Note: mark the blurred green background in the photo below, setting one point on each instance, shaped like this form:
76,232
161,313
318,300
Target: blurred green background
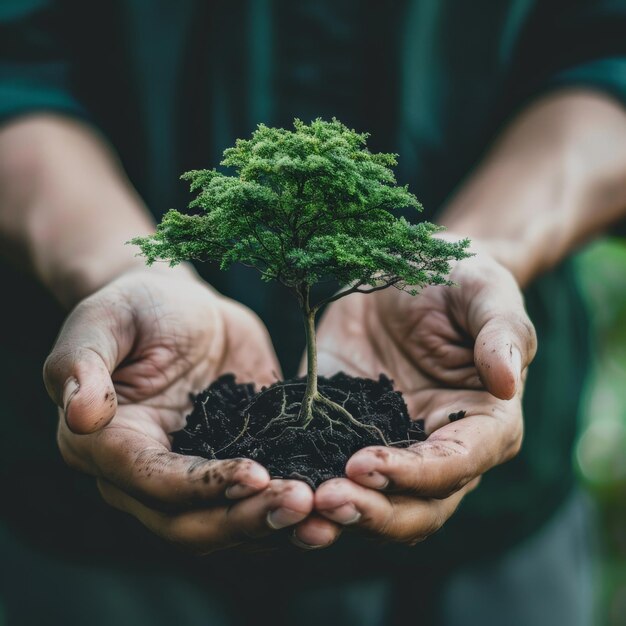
600,455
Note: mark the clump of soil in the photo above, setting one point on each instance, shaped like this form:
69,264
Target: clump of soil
230,420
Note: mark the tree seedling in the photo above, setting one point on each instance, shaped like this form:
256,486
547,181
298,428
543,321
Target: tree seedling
305,206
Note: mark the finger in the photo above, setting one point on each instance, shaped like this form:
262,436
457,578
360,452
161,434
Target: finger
315,532
447,461
400,518
505,339
502,353
77,374
80,383
282,504
160,478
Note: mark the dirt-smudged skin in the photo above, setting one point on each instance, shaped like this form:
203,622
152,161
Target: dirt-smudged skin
229,421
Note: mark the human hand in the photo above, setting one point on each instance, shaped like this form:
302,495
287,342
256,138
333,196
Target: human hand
121,372
462,348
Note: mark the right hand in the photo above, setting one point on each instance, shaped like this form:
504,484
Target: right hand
121,372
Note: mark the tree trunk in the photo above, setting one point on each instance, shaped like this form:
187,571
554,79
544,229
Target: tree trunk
306,409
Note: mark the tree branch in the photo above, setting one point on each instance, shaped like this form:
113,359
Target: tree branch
355,289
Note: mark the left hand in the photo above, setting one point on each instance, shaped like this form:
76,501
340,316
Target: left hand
461,348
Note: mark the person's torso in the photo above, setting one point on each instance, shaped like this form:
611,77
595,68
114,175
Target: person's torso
173,84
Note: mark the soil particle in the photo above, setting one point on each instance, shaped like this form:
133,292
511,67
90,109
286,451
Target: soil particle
453,417
230,420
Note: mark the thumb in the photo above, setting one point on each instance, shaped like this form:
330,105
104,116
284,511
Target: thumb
77,373
501,354
504,337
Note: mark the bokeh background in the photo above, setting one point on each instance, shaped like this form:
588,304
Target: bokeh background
600,454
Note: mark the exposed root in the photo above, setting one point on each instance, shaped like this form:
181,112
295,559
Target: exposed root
291,419
305,417
242,432
319,405
402,442
345,413
284,416
282,433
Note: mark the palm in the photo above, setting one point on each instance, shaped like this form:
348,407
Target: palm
450,349
422,343
123,368
177,341
171,339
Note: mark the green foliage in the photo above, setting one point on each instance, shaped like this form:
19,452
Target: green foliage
306,205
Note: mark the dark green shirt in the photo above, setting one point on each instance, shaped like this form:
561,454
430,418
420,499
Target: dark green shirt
171,84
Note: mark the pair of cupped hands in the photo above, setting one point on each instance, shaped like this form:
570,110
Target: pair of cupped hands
128,356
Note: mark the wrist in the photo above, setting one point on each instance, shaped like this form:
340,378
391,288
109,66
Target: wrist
484,251
522,209
553,180
78,279
72,261
83,279
67,207
523,215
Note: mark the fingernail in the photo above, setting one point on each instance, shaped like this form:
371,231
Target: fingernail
374,480
304,546
282,517
345,514
70,389
240,490
516,362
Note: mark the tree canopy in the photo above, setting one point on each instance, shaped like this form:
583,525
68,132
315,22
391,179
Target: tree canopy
303,206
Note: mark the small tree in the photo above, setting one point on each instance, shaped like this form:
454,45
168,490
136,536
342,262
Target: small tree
306,205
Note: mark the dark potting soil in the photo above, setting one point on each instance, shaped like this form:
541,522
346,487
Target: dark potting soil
230,420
